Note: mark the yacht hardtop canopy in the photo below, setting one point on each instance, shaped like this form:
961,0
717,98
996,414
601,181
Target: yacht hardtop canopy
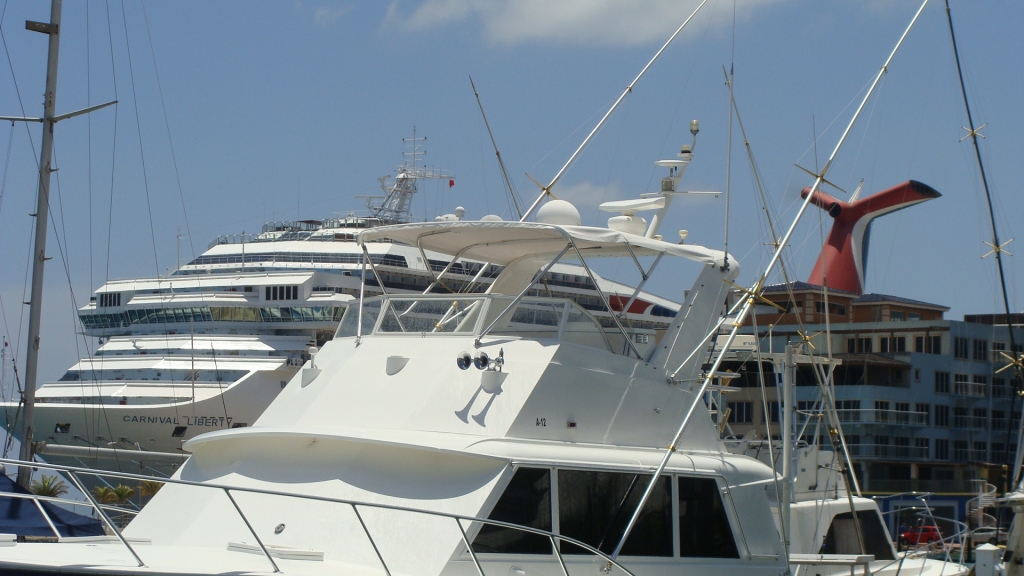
504,242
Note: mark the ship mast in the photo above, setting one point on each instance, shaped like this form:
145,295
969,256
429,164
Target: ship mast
39,250
52,28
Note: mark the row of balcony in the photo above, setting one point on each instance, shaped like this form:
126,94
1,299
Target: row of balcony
894,452
903,418
873,416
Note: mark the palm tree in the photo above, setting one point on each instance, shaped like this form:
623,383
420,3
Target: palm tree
104,494
49,486
123,494
119,495
149,488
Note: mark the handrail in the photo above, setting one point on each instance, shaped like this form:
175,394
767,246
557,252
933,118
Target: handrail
74,470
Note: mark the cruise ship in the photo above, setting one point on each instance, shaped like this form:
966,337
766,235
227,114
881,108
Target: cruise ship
210,346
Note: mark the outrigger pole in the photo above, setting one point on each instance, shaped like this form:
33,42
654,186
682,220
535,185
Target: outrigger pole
546,190
755,291
1016,359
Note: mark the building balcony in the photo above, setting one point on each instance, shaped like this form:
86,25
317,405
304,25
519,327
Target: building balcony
887,451
969,422
972,389
919,485
870,416
963,455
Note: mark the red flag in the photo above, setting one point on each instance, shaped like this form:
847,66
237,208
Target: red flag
451,183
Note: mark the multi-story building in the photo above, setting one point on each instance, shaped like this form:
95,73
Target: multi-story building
924,402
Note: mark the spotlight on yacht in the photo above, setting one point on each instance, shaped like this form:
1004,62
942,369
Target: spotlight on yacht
464,361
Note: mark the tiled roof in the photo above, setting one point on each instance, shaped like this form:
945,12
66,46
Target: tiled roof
799,286
870,298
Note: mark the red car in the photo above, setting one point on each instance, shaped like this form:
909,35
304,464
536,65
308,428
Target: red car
921,535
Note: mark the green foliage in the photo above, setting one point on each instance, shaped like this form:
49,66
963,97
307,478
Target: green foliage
49,486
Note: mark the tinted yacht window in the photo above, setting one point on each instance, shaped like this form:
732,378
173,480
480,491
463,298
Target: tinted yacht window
526,502
842,536
704,530
594,507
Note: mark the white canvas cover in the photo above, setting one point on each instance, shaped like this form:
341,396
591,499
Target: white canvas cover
504,242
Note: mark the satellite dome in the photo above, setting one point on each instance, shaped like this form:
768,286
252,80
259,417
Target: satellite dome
491,218
559,213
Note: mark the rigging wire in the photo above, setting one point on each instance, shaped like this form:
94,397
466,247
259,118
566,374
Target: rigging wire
997,250
138,130
167,126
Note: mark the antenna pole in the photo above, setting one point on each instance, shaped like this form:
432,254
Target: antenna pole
501,163
756,290
547,189
39,251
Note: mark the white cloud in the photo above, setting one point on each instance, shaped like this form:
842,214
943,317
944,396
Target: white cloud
607,22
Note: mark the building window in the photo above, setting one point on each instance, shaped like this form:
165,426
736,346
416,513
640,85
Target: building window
935,345
741,412
981,350
960,450
917,374
773,412
858,345
980,384
881,404
980,449
980,417
107,299
881,446
999,389
903,406
833,308
998,347
941,448
922,445
960,346
960,382
282,292
895,316
941,416
892,344
925,409
942,382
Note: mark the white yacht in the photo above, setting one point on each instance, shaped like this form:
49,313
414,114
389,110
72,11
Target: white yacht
210,346
480,433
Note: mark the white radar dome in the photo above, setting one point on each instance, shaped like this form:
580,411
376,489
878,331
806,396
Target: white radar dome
491,218
559,213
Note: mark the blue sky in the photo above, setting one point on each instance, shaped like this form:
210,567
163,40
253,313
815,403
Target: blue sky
291,109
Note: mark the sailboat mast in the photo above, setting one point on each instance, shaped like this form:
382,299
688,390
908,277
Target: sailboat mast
39,250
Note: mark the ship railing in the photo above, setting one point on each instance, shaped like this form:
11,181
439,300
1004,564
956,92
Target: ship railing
73,472
38,499
946,546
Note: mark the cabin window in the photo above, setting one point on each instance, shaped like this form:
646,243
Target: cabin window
704,530
842,536
371,310
594,508
526,502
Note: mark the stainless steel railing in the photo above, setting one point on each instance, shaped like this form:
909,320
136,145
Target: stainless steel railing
73,474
